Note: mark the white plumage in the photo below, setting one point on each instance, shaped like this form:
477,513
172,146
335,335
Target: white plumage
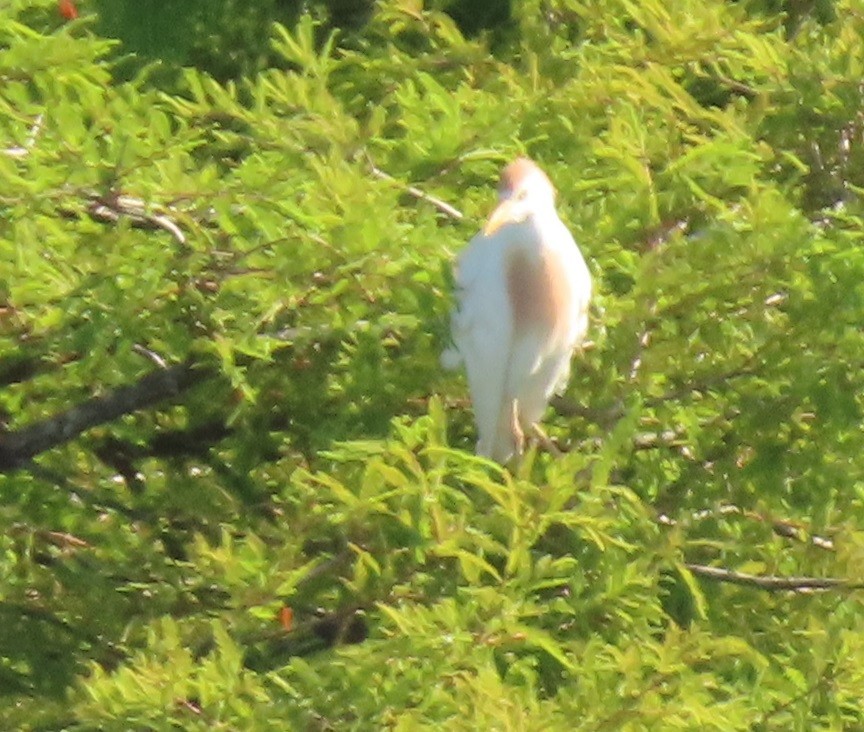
523,291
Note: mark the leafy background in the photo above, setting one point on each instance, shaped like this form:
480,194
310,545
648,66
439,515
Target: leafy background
309,457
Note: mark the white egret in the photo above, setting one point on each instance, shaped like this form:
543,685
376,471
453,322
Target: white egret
523,291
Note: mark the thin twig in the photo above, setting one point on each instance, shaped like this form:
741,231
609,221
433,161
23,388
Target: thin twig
111,208
781,527
642,345
442,206
773,583
824,679
656,239
22,151
546,442
152,355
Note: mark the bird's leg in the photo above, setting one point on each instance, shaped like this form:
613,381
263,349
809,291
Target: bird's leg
546,442
516,428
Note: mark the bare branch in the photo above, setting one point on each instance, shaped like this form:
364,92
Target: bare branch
19,447
111,208
773,583
442,206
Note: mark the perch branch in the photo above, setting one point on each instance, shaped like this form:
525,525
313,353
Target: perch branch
773,583
19,447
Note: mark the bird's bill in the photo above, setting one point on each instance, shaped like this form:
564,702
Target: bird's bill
505,213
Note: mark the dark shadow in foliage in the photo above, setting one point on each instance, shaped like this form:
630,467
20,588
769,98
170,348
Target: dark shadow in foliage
41,652
795,12
228,39
474,16
677,599
325,630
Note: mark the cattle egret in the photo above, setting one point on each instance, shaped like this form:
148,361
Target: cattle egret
522,308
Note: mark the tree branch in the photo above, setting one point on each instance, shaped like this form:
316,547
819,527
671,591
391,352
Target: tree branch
442,206
773,583
19,447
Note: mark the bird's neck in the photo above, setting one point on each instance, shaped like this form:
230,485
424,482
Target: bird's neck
543,219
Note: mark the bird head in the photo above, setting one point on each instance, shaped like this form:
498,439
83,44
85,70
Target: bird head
524,190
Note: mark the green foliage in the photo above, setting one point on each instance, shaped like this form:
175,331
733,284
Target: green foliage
708,157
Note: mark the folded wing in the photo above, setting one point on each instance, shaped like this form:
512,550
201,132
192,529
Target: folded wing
482,332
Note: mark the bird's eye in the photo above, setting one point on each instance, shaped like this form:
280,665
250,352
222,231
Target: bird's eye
522,195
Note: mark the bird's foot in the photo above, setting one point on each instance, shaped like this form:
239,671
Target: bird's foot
546,442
